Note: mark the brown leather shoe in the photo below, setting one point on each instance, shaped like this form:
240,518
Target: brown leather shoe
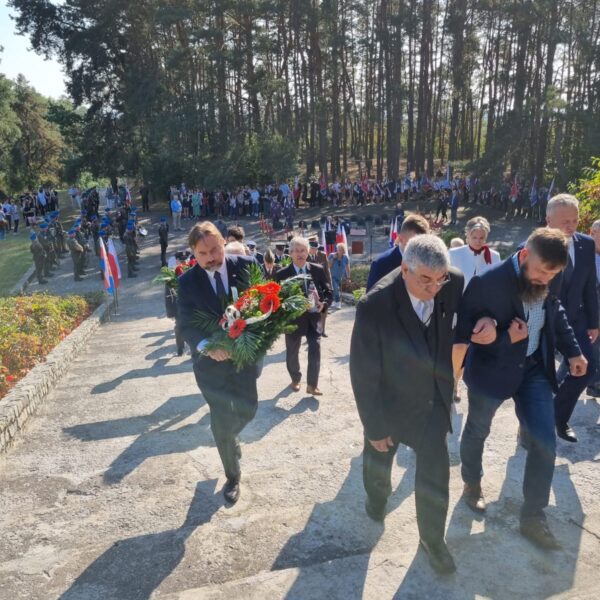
537,532
473,497
313,391
295,385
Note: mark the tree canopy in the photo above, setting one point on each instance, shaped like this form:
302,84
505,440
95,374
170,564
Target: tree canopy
224,91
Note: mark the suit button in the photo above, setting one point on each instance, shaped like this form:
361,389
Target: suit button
521,366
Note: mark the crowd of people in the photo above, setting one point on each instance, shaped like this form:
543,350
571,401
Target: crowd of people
432,315
280,201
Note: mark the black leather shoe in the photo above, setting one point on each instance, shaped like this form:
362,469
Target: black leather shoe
473,497
593,391
377,513
537,532
440,559
566,432
231,490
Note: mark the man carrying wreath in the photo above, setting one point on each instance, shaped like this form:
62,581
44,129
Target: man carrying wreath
231,394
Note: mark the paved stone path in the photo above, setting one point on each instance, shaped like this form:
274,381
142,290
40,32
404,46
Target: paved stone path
114,490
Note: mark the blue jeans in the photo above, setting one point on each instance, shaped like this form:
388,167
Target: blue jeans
337,288
534,405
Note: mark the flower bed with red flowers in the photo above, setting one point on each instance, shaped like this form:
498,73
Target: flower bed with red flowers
258,316
31,326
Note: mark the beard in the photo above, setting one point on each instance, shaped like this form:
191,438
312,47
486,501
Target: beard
213,267
528,291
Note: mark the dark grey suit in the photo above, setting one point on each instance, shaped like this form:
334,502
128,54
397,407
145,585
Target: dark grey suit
402,377
230,394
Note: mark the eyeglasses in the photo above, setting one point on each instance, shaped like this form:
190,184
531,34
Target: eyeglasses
426,282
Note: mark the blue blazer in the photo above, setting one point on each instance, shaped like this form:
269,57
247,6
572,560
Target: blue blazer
579,296
385,263
497,369
195,292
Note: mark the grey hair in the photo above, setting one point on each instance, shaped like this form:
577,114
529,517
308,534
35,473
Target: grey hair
596,224
561,200
298,241
426,250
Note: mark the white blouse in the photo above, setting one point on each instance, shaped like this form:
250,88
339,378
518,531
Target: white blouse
470,265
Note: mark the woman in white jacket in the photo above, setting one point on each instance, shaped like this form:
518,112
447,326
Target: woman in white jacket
476,256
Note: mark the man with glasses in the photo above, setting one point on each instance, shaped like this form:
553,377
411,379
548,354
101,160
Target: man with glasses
527,323
404,332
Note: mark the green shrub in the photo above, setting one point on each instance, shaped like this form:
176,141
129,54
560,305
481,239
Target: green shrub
30,327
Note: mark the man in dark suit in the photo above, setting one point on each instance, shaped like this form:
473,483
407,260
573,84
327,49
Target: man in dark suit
318,257
319,290
404,333
576,288
391,259
231,395
527,324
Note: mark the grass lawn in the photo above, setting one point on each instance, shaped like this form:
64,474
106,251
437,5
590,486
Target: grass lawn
15,257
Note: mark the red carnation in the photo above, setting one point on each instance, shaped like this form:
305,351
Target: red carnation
10,378
270,302
192,262
178,270
236,329
269,288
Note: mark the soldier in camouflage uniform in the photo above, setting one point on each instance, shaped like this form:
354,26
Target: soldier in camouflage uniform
77,254
130,247
60,234
82,241
46,242
39,258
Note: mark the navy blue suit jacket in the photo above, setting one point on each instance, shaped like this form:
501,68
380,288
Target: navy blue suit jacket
195,292
497,369
385,263
579,296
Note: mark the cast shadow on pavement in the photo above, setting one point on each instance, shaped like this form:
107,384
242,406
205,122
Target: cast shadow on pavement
497,562
159,368
131,569
161,433
339,529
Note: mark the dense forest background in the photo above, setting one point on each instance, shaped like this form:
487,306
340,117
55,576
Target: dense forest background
222,92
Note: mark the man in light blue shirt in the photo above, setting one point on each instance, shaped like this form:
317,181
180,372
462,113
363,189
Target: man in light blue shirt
176,210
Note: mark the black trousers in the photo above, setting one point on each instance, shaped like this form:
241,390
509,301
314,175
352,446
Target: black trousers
163,255
431,478
233,399
570,387
292,348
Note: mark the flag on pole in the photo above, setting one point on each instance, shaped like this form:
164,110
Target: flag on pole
113,260
340,237
534,196
109,282
393,231
550,191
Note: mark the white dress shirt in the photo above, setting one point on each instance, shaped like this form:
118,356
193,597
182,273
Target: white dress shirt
224,277
571,248
423,308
